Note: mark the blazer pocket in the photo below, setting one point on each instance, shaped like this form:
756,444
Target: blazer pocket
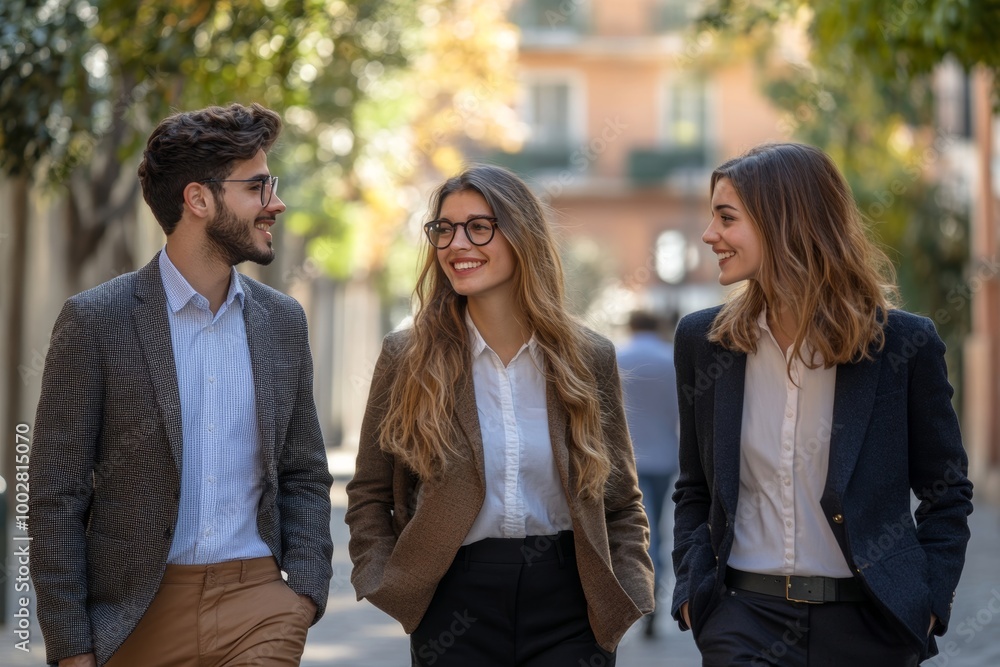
107,520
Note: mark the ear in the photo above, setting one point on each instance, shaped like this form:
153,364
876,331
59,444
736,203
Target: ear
199,200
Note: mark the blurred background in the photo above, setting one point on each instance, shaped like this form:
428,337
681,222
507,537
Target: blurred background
616,111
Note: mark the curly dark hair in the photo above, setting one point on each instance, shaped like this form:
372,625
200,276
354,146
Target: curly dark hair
196,145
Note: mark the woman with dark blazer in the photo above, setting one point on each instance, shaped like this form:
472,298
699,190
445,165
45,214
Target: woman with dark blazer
810,408
494,511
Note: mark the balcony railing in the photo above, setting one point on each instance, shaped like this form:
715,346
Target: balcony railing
556,16
672,15
533,159
653,166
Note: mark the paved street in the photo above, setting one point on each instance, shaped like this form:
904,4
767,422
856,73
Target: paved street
356,634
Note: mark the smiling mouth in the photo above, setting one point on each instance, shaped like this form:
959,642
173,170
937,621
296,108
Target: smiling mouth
725,255
464,266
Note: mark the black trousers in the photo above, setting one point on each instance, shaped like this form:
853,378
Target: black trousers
758,630
509,603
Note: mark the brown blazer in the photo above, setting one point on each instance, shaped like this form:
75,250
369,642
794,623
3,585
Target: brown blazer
401,549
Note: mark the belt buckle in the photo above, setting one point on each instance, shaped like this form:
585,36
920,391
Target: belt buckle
788,587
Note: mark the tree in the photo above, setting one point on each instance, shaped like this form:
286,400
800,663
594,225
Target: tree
902,40
82,83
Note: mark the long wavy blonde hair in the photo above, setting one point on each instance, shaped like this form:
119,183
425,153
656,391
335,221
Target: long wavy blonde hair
418,426
818,260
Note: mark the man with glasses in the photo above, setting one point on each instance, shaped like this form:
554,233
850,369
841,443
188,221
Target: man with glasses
180,509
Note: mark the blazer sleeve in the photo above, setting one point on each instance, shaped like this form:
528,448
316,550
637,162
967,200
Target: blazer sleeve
938,471
693,557
67,426
304,489
370,499
625,516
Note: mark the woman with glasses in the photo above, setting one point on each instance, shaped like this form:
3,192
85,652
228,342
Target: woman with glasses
495,511
810,409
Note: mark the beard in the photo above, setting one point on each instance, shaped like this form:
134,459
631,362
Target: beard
232,239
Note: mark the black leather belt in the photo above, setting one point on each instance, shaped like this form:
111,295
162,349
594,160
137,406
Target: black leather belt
797,589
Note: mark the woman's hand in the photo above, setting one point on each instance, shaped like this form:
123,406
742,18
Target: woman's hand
687,616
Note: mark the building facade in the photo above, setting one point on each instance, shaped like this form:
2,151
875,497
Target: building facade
626,113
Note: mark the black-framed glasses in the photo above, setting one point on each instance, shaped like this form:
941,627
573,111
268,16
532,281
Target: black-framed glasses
479,230
268,185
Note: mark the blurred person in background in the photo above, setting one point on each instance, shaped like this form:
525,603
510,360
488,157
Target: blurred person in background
649,387
810,407
495,511
178,470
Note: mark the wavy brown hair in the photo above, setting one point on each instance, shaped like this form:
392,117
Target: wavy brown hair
818,260
418,426
198,145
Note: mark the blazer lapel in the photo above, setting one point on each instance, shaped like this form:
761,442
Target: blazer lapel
153,331
558,423
468,422
258,327
728,423
854,397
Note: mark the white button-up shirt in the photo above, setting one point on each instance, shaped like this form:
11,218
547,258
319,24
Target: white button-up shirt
784,456
524,495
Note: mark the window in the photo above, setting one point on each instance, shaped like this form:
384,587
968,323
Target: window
686,113
685,142
538,16
547,114
674,15
552,109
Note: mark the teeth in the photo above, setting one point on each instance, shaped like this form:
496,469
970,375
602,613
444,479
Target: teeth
461,266
725,255
263,226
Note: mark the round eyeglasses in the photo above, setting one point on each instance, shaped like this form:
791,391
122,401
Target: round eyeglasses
268,185
479,230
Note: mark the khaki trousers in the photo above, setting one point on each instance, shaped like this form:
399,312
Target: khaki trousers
238,613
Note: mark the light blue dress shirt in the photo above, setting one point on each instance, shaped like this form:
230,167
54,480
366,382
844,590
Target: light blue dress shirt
222,472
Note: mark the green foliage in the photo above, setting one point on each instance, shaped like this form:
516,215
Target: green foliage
898,40
77,69
85,81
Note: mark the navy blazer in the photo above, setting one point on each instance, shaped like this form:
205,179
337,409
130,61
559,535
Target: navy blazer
894,431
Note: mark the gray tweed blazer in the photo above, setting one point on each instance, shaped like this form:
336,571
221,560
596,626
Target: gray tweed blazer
106,459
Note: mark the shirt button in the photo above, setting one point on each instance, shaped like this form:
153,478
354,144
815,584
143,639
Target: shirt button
211,427
211,329
211,378
789,414
211,479
838,518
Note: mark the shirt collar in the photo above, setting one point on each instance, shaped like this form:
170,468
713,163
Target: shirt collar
762,320
179,291
807,349
478,344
